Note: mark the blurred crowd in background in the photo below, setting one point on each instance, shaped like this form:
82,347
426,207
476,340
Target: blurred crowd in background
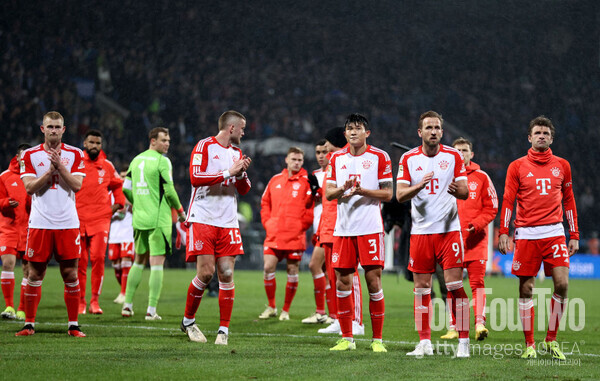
297,71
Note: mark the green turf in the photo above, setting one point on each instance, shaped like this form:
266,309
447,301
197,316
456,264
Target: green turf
119,348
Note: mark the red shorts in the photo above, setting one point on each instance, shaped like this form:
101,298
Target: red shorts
212,240
529,254
120,250
12,240
42,243
348,252
292,255
427,249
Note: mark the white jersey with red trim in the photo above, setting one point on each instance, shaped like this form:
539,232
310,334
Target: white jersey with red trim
318,209
359,215
121,230
53,207
434,210
213,201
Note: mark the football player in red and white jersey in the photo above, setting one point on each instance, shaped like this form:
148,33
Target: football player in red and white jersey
317,260
52,173
335,140
433,176
359,177
121,248
217,171
15,204
286,212
541,183
475,213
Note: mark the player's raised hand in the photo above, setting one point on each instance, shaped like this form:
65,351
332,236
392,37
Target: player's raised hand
54,157
238,167
426,179
247,161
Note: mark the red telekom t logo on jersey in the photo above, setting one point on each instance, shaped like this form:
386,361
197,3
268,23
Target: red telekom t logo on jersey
433,186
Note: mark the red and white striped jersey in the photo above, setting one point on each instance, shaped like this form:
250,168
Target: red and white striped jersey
318,209
541,184
434,210
53,207
359,215
213,201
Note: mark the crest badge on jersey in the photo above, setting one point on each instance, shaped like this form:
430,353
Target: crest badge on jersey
516,265
296,186
473,185
555,171
198,245
367,164
443,165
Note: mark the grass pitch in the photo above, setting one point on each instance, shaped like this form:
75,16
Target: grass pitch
119,348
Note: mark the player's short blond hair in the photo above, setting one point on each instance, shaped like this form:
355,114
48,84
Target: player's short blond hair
462,140
227,118
53,115
294,149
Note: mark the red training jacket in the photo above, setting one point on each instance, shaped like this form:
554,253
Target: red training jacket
477,211
93,200
287,211
13,221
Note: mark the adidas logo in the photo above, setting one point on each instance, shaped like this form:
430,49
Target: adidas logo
242,247
530,174
375,258
419,169
343,166
458,261
216,157
278,186
14,184
41,164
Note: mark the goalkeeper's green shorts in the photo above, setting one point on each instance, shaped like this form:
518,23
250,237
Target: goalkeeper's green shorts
156,241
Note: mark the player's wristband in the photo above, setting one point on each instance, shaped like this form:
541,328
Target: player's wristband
226,174
241,176
180,210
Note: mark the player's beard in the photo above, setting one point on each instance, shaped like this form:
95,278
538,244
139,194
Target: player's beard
93,154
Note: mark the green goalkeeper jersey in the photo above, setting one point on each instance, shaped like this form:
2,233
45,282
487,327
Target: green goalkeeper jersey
149,187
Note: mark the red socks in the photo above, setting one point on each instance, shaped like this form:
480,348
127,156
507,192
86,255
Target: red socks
290,291
344,306
527,314
270,287
7,279
422,308
460,308
71,300
377,309
194,297
320,284
557,307
33,294
226,298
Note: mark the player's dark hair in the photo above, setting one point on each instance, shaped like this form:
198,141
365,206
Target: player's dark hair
357,119
93,133
294,149
462,140
541,121
23,147
321,142
153,134
336,137
430,114
227,118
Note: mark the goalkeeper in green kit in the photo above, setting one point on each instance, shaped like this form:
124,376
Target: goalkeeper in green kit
149,187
